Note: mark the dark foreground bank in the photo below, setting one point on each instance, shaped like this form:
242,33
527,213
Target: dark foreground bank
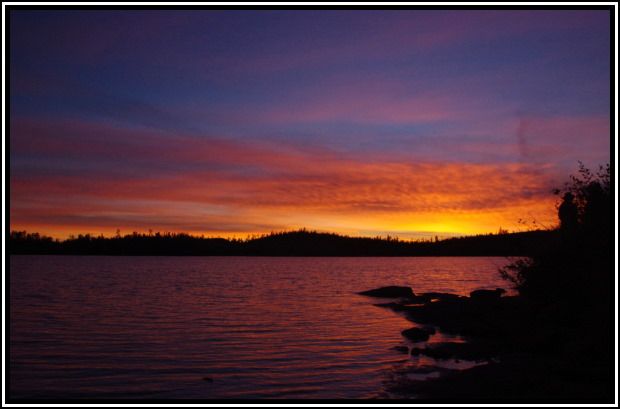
526,352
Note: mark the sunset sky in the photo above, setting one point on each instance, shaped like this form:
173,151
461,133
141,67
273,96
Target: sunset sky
227,123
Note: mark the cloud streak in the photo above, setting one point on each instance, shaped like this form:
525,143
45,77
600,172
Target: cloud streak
196,182
417,122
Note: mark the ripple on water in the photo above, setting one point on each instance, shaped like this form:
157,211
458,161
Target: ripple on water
136,327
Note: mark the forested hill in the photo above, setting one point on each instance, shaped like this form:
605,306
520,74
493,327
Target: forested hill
296,243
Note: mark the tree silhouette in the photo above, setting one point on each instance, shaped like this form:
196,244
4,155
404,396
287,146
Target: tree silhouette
578,267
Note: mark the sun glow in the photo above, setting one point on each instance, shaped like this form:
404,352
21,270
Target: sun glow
238,142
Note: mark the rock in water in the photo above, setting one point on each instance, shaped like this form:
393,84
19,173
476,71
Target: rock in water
417,351
416,334
487,295
440,296
392,291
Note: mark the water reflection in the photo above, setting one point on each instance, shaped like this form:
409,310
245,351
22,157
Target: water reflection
157,327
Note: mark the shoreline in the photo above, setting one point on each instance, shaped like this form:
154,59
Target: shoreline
523,351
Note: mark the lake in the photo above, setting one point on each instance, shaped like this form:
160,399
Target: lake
217,327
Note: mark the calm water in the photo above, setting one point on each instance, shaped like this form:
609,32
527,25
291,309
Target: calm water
156,327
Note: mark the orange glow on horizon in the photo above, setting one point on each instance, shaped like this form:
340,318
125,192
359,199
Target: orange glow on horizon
273,188
405,226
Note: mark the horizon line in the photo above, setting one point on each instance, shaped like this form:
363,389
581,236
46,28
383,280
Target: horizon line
254,236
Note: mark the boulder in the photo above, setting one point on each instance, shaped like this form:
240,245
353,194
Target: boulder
392,291
417,351
416,334
415,300
487,295
440,296
392,305
402,349
403,303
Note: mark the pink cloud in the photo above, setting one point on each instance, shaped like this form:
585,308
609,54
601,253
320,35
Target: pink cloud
264,184
85,141
299,183
569,137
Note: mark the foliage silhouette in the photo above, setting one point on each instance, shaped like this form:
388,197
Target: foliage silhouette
295,243
569,288
578,265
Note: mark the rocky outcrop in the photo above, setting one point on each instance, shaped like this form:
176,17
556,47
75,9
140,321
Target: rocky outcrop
391,291
401,348
487,295
416,334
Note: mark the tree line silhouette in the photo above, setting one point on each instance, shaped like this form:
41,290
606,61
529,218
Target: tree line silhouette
293,243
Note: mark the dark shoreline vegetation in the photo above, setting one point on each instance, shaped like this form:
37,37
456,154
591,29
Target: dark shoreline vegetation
294,243
553,342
